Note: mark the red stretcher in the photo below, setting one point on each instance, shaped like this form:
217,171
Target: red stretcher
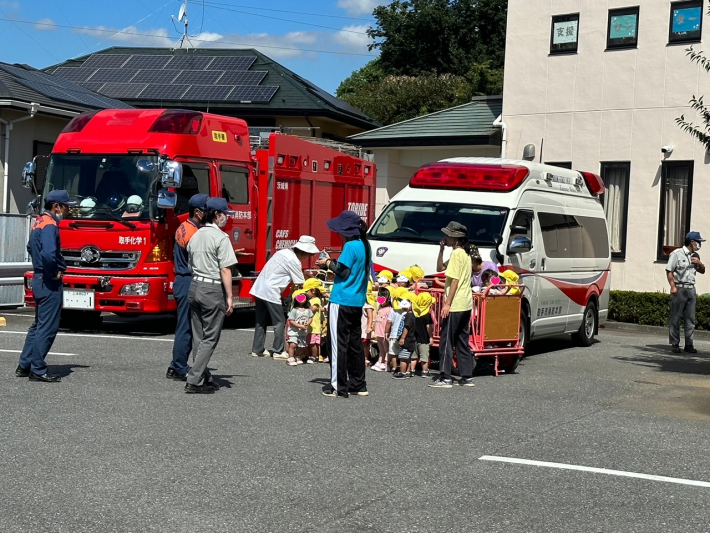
495,326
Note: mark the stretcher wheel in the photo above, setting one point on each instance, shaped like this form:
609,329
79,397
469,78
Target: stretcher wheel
508,363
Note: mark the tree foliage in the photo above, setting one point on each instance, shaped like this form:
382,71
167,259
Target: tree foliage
434,54
697,104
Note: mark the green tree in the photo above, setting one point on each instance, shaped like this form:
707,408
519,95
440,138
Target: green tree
697,103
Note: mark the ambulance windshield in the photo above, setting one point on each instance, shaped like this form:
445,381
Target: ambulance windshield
422,222
103,186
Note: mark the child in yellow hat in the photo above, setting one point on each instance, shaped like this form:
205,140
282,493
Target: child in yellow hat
423,332
314,289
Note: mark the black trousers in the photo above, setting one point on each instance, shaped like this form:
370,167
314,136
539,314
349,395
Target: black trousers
455,333
347,360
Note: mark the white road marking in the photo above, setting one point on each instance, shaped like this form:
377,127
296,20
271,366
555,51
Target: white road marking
50,353
123,337
29,315
622,473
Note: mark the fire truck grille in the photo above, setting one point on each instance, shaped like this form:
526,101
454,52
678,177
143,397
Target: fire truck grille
101,260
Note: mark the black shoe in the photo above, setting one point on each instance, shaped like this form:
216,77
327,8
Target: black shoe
171,374
676,349
690,349
46,378
400,375
22,372
212,383
330,393
361,392
199,389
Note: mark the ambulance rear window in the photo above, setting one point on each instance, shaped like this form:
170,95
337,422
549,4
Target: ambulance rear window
422,221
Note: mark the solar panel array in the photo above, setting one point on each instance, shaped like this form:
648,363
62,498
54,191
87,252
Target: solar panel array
61,89
166,77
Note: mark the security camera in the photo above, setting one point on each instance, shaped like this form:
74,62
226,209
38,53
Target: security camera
668,149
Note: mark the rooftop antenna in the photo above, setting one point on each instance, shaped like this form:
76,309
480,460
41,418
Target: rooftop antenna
182,17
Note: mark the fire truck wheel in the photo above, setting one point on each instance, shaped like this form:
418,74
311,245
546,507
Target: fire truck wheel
80,320
585,335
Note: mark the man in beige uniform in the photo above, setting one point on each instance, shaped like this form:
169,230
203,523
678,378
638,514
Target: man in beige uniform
210,255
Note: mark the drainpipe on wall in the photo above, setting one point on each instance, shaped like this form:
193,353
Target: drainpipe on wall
6,172
498,123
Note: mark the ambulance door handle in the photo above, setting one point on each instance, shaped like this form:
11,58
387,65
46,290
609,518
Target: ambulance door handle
542,264
532,263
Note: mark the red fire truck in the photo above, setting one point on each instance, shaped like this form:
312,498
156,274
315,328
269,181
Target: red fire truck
132,173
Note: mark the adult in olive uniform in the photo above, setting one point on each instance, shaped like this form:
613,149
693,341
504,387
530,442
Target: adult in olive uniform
49,266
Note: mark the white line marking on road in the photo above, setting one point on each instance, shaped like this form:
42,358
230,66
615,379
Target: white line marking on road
124,337
621,473
29,315
50,353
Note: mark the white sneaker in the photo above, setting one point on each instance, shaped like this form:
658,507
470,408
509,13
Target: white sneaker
291,361
281,356
254,354
266,353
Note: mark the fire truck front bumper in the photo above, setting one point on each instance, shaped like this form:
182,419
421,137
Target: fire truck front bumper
114,294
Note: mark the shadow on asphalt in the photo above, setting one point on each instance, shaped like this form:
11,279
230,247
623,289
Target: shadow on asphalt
65,370
660,357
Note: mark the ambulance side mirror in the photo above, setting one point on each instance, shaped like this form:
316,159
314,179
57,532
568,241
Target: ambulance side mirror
171,174
519,245
166,199
28,174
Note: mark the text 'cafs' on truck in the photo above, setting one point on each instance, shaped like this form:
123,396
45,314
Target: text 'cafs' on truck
132,173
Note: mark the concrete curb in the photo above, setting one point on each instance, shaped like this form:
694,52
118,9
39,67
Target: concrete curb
653,330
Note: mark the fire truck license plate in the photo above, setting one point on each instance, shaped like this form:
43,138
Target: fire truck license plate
77,299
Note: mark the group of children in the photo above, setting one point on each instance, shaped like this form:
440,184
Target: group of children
396,321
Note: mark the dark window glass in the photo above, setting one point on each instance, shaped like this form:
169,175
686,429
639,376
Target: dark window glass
522,226
616,204
573,237
686,23
565,34
623,28
562,164
676,194
235,185
195,179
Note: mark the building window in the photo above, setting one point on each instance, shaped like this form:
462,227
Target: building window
616,204
235,184
623,28
565,34
561,164
686,22
676,194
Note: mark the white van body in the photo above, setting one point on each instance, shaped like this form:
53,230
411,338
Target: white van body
567,267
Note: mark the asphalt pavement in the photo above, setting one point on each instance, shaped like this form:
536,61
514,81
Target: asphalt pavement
117,447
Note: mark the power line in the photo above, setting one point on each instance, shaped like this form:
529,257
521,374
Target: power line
284,20
115,33
28,35
293,12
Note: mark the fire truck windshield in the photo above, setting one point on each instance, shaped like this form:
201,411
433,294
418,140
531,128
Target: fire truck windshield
422,222
103,186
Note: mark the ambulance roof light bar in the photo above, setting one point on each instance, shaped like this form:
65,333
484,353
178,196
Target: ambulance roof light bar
595,184
463,176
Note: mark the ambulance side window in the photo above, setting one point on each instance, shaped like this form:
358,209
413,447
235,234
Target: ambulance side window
522,226
235,184
195,179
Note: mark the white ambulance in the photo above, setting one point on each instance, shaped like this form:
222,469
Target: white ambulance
545,223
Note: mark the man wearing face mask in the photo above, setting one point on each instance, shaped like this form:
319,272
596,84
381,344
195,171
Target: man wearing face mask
211,257
49,266
683,263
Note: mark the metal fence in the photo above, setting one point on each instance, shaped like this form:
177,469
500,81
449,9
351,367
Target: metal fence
14,259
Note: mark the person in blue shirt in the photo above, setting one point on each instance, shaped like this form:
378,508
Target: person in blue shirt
352,273
49,267
182,344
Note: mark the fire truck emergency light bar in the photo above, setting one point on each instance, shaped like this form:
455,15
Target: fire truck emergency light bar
461,176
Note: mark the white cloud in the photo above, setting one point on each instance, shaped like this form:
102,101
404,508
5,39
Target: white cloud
129,35
360,7
10,5
45,25
353,39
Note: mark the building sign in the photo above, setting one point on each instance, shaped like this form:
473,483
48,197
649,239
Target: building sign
565,32
686,23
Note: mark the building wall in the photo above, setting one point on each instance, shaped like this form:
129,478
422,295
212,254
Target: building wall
606,106
395,166
43,128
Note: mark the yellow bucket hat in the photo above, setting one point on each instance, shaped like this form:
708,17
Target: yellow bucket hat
417,272
313,283
512,279
386,274
423,303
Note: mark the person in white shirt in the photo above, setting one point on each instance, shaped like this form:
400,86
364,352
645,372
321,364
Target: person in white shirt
280,271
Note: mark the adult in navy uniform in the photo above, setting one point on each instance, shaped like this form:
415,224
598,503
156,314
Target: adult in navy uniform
49,266
182,345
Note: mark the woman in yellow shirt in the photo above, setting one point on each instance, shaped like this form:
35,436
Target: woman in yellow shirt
456,313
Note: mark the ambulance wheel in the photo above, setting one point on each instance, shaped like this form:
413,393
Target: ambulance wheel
80,320
585,335
524,334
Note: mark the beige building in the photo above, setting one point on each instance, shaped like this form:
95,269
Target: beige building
597,85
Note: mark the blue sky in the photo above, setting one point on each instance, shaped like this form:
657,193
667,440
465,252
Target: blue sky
297,34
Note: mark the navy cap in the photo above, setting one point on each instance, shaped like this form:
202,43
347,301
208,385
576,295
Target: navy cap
346,223
218,204
694,236
59,197
198,200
